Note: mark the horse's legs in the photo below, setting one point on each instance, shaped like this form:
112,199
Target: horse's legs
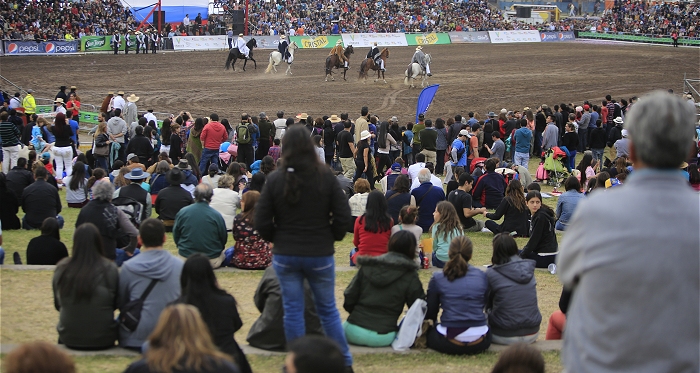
255,63
289,69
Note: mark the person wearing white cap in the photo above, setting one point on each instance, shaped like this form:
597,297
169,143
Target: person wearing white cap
240,44
622,146
375,56
338,51
419,58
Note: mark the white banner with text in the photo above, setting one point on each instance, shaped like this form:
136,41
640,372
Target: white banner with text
367,40
515,36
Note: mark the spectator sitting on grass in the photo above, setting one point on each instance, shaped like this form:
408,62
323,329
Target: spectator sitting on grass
567,202
40,201
172,199
372,229
513,210
47,249
358,201
250,250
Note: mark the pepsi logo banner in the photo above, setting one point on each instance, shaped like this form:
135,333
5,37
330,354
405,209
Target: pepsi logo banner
550,36
15,48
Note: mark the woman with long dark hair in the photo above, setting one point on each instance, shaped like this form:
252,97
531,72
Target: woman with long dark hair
512,209
514,316
294,212
250,251
379,291
181,343
385,140
218,308
194,165
62,149
194,144
399,196
85,291
586,162
47,249
445,228
165,133
441,146
363,159
542,246
77,192
460,291
373,228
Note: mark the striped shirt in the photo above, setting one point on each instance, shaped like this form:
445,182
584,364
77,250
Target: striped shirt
9,134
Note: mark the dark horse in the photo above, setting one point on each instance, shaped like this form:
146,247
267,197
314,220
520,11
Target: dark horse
333,61
234,54
369,64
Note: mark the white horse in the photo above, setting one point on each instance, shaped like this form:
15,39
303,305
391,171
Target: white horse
276,59
417,70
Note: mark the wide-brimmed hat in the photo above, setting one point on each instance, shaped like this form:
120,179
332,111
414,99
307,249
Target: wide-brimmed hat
683,165
303,116
618,120
504,111
59,100
334,118
183,165
339,42
175,176
283,36
120,93
419,48
395,119
110,93
132,98
73,87
492,114
137,174
230,28
241,35
365,135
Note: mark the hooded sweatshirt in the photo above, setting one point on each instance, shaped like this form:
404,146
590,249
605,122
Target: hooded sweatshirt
377,294
136,274
512,301
543,239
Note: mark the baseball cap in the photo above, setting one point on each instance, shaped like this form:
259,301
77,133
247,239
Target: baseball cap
46,155
586,107
396,167
131,155
464,133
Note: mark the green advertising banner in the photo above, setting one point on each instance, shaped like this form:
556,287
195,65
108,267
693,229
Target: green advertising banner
431,38
636,38
316,42
86,117
101,43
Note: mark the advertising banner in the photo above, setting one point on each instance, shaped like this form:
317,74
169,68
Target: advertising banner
553,36
367,40
2,49
515,36
315,42
431,38
15,48
200,42
469,37
266,42
102,43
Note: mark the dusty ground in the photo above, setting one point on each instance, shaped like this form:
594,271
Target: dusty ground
473,77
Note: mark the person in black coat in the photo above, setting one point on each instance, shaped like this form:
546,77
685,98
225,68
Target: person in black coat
542,246
9,206
19,178
217,307
141,146
47,249
512,209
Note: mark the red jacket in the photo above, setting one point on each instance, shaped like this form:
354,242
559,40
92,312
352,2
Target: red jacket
368,243
213,135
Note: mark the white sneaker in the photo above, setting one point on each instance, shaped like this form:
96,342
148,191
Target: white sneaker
485,230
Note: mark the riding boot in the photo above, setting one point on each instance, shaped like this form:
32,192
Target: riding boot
427,70
346,65
381,64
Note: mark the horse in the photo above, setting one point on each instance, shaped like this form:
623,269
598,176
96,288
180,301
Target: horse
333,61
416,70
234,54
276,59
368,64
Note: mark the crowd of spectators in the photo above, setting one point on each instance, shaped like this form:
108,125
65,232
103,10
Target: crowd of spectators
72,20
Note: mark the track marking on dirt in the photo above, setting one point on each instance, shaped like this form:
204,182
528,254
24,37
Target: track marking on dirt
390,99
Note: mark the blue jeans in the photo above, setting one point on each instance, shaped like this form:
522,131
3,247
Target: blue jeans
229,257
122,257
102,163
319,271
2,256
521,159
582,139
208,155
598,154
437,262
572,159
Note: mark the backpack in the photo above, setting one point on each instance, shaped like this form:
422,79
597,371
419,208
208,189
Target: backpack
243,134
131,207
460,153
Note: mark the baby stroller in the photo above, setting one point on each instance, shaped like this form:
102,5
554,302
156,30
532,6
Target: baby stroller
555,166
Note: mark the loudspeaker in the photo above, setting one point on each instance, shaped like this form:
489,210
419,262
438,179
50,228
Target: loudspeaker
238,28
238,16
523,12
157,14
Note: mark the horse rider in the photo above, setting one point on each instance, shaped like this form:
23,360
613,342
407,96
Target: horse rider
419,58
338,51
376,56
283,48
242,47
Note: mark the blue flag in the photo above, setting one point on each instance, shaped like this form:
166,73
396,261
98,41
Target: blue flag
425,99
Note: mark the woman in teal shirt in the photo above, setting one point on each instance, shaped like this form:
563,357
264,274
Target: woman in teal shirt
446,227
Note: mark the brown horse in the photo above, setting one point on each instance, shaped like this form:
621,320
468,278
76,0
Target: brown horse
368,64
333,61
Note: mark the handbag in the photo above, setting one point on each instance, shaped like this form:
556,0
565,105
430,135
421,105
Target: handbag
410,327
130,314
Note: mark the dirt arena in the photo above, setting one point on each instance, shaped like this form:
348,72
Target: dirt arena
472,77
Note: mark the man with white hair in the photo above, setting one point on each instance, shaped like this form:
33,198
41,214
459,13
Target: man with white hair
427,197
622,145
636,288
201,229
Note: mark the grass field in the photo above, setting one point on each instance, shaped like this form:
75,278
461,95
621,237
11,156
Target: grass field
27,312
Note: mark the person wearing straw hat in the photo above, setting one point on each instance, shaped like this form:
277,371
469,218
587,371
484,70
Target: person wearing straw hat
419,57
130,113
338,51
242,47
60,108
116,41
229,37
283,48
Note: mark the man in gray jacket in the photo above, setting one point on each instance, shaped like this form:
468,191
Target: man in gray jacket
636,287
153,263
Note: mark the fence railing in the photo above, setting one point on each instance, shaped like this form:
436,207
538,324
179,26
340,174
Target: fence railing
638,37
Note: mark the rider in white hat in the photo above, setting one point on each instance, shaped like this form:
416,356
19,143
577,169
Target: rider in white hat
283,48
240,44
375,56
418,58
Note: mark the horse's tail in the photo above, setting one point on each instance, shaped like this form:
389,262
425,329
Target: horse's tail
270,65
228,61
363,66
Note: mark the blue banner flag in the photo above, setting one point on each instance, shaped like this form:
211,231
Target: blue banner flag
425,99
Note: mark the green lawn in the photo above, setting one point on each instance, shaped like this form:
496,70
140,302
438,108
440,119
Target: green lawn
27,312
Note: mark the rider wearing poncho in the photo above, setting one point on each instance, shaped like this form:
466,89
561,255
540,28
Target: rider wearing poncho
240,44
338,51
376,56
283,48
419,58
